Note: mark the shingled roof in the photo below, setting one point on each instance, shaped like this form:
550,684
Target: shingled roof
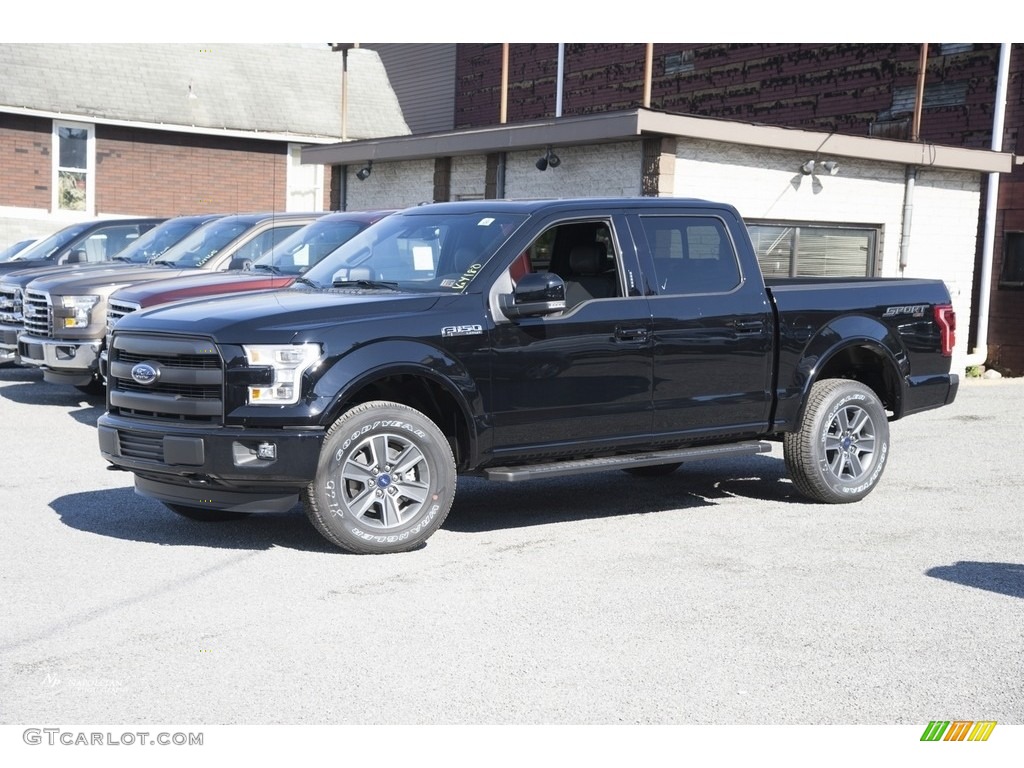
288,90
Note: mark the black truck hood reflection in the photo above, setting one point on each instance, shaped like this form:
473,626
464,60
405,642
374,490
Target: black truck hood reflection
273,317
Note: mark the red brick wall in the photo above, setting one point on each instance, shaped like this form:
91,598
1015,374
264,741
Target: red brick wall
835,87
153,172
25,144
148,173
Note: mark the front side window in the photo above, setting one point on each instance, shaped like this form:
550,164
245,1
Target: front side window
73,183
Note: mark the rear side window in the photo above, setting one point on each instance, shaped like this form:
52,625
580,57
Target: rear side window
691,254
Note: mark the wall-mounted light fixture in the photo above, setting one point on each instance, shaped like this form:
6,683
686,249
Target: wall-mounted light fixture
831,167
549,159
364,173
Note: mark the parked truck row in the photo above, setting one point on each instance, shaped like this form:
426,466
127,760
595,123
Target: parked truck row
508,340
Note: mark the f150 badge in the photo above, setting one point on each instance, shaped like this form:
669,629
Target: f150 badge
914,310
462,330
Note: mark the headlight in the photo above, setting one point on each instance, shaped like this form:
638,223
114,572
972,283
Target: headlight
288,362
80,309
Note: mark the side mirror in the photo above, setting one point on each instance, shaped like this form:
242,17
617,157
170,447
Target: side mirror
536,294
76,257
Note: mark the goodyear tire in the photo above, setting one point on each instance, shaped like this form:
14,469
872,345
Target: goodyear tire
841,450
385,480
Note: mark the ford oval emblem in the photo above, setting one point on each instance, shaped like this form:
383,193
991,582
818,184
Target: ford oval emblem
144,373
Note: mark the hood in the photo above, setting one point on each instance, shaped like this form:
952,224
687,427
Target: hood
197,285
27,274
275,317
100,281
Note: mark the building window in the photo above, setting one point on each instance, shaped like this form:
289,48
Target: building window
678,63
1012,275
813,250
74,147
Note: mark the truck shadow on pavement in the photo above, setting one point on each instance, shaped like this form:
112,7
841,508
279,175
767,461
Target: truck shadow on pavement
122,514
34,391
481,505
1004,578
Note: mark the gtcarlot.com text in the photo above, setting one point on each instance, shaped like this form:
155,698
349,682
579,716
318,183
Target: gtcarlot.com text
55,736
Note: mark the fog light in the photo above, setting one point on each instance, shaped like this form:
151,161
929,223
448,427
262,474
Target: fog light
267,451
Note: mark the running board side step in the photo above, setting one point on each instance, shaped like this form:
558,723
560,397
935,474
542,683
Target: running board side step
603,464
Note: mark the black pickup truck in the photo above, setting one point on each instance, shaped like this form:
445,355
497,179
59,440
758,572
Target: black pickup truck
514,340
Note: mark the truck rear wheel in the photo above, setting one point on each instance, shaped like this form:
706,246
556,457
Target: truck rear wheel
839,453
385,480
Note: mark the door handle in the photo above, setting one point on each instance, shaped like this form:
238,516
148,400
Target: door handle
747,326
631,334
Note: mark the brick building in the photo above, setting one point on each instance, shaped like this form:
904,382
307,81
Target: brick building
865,90
103,130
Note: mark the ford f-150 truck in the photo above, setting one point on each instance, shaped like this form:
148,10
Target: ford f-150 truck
514,340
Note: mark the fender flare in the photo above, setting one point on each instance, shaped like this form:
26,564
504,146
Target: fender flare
837,336
371,362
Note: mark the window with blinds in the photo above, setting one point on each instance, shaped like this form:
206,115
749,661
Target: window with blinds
814,250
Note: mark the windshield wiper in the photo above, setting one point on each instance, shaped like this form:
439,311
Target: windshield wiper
365,284
267,268
164,262
308,282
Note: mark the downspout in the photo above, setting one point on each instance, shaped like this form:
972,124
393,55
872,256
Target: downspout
911,175
908,214
561,76
980,353
503,116
648,69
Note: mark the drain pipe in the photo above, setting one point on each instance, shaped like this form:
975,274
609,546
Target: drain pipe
980,353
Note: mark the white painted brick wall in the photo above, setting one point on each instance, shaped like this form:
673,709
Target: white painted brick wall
768,184
469,174
603,170
392,185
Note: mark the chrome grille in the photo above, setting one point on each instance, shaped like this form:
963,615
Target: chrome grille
38,314
10,304
118,309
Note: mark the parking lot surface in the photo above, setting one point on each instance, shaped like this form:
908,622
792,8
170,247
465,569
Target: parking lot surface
713,596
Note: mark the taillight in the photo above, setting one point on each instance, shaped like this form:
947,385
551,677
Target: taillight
945,318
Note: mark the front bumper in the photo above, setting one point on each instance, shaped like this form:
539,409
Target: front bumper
217,466
62,362
9,343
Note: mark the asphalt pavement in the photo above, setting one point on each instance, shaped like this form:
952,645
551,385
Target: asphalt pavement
713,596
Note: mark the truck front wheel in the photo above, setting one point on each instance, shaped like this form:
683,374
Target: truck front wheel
385,480
840,451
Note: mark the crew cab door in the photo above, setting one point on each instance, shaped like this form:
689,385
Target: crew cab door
712,324
582,375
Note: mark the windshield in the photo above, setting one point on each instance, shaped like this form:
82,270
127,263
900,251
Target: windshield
158,240
203,244
52,244
13,250
418,251
307,247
